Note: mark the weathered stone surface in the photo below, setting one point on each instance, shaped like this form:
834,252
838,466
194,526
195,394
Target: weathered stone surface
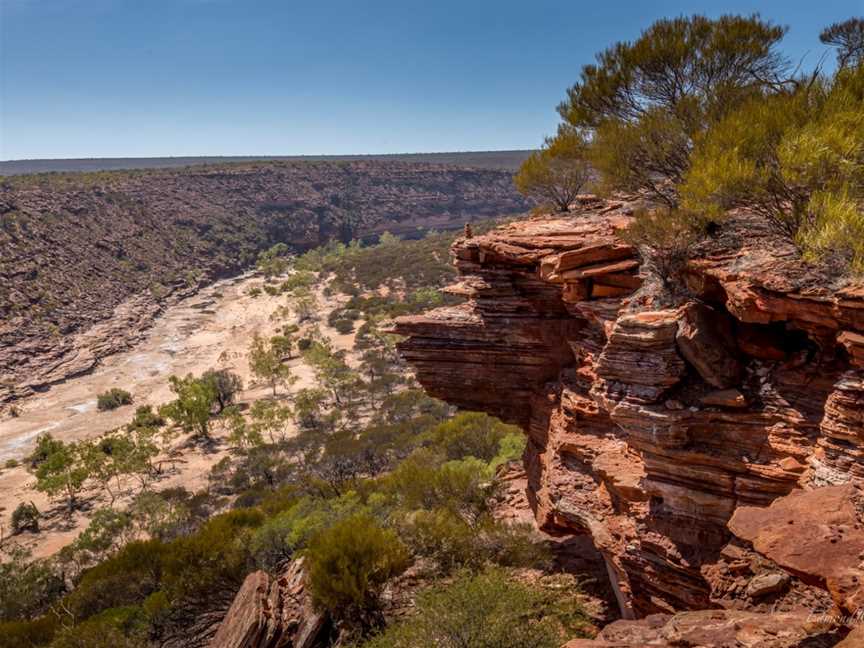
816,535
651,423
714,629
272,614
705,339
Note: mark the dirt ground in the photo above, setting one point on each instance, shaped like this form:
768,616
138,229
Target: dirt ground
209,330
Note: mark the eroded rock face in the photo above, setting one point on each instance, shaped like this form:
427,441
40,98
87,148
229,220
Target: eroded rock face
653,422
270,613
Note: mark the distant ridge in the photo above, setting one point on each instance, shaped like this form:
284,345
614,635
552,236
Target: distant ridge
482,159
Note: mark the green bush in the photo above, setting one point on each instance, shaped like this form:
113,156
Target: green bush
25,517
343,326
112,399
27,587
422,482
349,564
667,238
471,434
489,610
11,463
145,417
796,158
27,634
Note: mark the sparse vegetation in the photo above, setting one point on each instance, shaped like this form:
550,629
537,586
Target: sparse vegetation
25,517
112,399
489,609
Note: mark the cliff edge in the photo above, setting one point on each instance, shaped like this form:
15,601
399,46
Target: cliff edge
710,446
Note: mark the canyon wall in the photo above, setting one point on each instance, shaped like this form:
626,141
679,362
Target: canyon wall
710,445
87,260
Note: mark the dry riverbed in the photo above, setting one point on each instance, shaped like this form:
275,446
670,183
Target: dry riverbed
210,329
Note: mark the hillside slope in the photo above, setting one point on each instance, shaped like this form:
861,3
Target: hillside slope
77,249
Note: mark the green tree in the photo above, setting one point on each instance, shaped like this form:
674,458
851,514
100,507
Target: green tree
192,408
557,172
349,564
332,372
848,38
265,362
797,159
226,386
645,102
271,419
62,471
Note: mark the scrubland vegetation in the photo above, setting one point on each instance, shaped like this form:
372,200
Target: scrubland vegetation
360,473
701,116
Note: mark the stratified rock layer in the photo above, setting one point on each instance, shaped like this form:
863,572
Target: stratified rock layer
653,422
272,614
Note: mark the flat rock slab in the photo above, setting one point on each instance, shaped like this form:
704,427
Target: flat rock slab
816,535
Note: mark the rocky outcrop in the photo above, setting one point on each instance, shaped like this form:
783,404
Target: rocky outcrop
715,629
665,428
270,613
86,260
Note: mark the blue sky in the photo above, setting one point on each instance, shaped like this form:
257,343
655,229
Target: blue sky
123,78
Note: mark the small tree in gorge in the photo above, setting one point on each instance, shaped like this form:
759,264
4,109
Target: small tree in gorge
265,361
193,406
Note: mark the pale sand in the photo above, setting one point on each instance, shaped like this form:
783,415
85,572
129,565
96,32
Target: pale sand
211,329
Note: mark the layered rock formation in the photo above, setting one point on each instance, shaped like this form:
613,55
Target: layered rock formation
86,260
272,614
710,445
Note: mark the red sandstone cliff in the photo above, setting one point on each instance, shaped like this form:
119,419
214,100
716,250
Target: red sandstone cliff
711,447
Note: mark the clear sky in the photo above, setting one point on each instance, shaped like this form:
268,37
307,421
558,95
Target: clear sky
129,78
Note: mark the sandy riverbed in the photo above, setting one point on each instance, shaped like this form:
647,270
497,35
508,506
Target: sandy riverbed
211,329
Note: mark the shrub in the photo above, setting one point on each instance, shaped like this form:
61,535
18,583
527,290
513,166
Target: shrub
112,399
471,434
666,238
797,159
11,463
349,564
557,172
343,326
145,417
488,610
463,487
25,517
27,587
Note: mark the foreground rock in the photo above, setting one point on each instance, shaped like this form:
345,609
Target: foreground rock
715,629
653,422
272,614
